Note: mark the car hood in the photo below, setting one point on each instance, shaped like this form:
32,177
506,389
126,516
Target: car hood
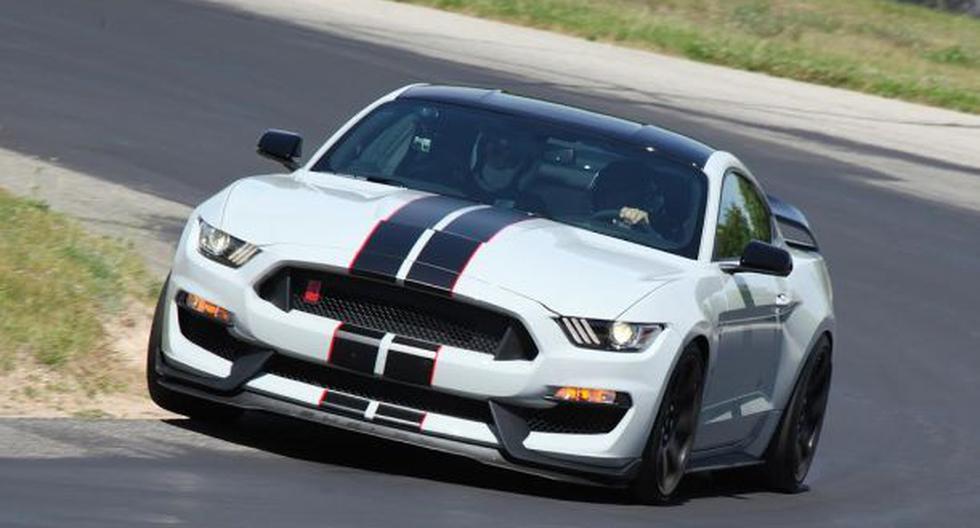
569,270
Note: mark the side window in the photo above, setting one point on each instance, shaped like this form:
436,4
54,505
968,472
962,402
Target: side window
742,217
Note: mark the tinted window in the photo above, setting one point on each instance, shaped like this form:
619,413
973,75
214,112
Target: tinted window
742,217
572,176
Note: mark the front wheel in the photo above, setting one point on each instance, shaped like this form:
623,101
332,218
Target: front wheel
792,448
669,446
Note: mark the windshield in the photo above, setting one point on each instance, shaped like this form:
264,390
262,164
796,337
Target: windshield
569,175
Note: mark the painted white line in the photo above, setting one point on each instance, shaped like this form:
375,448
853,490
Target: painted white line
409,349
379,362
446,220
371,410
412,255
424,239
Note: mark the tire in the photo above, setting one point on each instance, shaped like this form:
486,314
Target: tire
169,400
794,445
669,446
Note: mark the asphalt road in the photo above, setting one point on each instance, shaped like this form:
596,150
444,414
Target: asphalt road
169,97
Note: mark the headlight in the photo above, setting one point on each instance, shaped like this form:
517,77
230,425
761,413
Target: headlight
221,247
619,336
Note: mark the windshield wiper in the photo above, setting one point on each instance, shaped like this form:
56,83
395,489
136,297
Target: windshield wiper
383,180
374,179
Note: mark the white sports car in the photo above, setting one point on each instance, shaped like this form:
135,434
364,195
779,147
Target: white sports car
520,282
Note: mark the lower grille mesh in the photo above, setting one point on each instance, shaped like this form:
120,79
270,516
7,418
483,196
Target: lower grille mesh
573,419
210,335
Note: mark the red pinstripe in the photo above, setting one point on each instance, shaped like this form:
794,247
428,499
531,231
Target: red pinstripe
333,338
435,360
375,230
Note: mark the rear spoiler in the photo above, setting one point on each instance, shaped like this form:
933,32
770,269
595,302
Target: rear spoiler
793,225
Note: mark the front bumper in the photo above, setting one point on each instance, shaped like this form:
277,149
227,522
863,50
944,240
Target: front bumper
510,390
235,390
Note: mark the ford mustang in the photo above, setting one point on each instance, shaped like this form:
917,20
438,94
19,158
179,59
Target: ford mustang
520,282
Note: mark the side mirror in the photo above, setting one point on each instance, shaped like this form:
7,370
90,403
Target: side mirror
759,257
281,146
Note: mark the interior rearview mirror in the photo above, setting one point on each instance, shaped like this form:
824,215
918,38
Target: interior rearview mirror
282,146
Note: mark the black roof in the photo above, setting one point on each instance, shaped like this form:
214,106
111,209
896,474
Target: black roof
667,143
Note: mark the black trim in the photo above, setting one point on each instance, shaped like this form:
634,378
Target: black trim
352,403
408,341
398,413
408,368
799,233
361,331
353,355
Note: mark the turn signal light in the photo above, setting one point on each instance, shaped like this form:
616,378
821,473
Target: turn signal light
206,308
583,395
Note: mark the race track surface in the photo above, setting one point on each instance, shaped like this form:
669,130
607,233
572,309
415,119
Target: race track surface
170,96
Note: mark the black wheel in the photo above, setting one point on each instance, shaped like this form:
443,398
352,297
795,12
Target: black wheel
669,446
172,401
792,448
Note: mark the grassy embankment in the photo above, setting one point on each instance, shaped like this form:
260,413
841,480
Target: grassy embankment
60,289
881,47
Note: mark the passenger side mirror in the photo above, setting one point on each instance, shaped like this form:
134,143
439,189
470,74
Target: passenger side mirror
759,257
281,146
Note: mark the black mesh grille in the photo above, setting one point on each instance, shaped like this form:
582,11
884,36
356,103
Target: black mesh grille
400,310
398,320
210,335
573,419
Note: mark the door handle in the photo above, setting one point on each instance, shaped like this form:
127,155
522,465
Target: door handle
783,299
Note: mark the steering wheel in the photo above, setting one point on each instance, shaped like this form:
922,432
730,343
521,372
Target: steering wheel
612,216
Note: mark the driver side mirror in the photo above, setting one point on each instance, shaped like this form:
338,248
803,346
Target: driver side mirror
281,146
759,257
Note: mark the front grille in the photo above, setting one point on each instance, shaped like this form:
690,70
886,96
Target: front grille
573,419
381,390
400,310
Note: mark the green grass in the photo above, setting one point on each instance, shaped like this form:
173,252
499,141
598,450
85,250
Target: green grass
58,285
876,46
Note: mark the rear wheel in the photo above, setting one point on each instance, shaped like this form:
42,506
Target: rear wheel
669,446
792,449
170,400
